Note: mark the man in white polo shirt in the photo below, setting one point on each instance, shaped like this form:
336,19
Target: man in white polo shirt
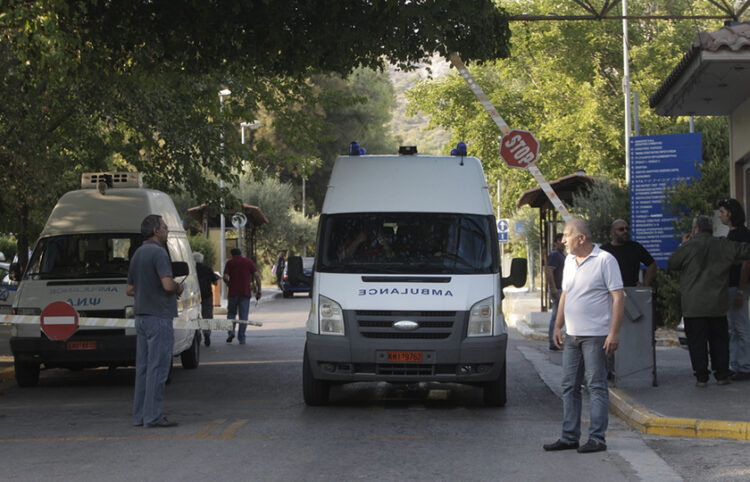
591,307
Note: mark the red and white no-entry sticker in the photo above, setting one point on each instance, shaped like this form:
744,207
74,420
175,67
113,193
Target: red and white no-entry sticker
59,320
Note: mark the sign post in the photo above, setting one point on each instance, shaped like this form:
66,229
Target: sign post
59,320
239,220
515,148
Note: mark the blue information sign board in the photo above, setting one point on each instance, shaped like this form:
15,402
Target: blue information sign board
656,161
503,226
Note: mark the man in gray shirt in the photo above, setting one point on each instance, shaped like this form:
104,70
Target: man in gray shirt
150,281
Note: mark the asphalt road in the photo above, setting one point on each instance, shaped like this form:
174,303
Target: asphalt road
241,417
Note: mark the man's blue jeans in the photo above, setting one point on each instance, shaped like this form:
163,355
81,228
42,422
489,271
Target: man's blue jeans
241,304
739,334
153,357
584,355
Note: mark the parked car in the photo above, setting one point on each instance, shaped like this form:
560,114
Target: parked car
288,287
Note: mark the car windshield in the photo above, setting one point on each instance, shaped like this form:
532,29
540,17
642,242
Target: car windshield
407,243
101,255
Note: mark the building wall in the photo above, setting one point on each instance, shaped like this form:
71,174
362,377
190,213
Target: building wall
739,153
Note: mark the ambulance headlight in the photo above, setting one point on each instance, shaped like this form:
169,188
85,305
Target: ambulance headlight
331,317
481,318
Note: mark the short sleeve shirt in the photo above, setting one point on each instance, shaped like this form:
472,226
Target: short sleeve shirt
556,260
587,287
240,271
149,265
629,257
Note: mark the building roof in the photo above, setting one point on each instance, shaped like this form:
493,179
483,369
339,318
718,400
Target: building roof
564,187
711,78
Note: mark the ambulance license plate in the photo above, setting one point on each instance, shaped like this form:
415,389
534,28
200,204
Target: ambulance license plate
82,345
405,356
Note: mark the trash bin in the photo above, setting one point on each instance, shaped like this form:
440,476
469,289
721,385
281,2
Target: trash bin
635,358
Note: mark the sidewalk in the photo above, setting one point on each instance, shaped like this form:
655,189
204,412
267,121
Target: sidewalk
675,407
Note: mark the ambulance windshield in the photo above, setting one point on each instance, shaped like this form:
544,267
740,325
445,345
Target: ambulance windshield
101,255
407,243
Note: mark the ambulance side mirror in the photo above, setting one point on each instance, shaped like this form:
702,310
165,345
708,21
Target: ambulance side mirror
518,273
180,268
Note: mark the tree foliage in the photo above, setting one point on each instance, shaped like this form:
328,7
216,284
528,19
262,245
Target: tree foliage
563,82
95,84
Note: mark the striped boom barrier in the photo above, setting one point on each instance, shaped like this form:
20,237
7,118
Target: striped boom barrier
196,324
504,128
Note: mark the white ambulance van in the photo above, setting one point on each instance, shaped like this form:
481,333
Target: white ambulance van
407,282
82,258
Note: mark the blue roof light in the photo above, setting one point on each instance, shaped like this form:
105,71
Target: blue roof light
459,150
354,149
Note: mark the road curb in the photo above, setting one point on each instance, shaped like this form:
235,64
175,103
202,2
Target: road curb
647,422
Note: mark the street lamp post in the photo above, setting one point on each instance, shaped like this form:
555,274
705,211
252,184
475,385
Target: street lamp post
222,234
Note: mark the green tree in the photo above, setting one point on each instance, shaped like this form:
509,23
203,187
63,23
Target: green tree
286,228
563,82
95,84
600,204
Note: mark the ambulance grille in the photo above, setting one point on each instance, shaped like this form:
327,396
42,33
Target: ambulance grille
432,325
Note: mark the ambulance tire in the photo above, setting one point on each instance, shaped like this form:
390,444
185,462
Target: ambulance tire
191,357
315,391
27,373
495,391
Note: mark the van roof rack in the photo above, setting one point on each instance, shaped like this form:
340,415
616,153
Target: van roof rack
108,180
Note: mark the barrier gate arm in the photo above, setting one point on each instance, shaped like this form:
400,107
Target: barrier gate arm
196,324
490,108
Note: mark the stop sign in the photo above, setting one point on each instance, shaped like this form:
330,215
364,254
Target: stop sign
59,320
519,148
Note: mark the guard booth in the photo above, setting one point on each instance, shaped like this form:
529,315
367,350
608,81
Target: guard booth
635,358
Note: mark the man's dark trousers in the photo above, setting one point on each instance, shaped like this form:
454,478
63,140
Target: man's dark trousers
704,333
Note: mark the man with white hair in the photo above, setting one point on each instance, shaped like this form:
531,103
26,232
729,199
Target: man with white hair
704,262
591,307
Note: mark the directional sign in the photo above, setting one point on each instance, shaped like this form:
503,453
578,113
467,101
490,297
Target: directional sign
519,148
239,220
59,320
503,226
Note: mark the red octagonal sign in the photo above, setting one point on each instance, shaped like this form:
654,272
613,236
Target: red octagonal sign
519,148
59,320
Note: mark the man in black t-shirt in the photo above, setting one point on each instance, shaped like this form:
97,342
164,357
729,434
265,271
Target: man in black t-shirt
629,255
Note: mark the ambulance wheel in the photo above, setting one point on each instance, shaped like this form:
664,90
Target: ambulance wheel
191,357
315,391
494,391
27,373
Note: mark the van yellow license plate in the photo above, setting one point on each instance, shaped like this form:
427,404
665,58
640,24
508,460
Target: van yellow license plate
82,345
405,356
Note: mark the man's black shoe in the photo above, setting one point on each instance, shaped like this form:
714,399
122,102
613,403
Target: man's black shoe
207,340
592,446
162,423
553,348
230,338
560,445
739,376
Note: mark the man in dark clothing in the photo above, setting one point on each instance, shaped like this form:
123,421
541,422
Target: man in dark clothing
554,272
239,274
733,216
150,281
704,261
629,255
206,279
